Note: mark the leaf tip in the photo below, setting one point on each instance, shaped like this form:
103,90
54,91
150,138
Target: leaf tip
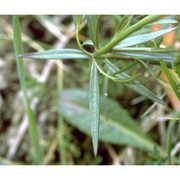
95,149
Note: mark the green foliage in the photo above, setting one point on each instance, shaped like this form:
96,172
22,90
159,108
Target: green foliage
119,129
123,24
164,21
134,85
129,42
58,54
94,105
152,55
38,156
157,158
142,38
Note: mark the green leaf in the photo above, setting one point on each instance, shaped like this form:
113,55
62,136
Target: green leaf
169,57
58,54
171,79
94,105
120,128
136,86
139,39
123,24
93,27
121,36
163,21
18,47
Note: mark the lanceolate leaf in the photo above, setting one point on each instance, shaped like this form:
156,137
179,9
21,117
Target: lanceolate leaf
94,106
163,21
58,54
120,128
169,57
136,86
135,40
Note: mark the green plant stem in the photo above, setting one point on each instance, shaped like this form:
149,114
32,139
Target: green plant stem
127,32
79,43
113,78
20,67
61,124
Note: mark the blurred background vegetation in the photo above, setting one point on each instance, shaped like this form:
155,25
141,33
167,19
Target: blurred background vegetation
64,143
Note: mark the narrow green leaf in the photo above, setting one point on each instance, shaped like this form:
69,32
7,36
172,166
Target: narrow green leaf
58,54
159,40
163,21
171,80
149,56
20,66
120,129
123,24
142,38
94,106
136,86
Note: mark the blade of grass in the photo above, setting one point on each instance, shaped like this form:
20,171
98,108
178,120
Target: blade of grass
20,67
94,105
